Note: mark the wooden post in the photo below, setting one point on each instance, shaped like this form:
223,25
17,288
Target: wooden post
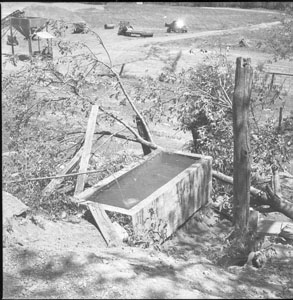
276,184
121,70
272,81
11,33
143,133
12,46
87,149
30,49
39,46
241,162
280,118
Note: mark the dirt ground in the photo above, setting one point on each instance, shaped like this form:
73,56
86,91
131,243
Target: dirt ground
69,258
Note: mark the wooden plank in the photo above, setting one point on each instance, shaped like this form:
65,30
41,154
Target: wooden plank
279,73
68,168
87,149
271,227
105,225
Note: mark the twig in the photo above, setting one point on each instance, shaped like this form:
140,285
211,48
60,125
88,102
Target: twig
106,132
225,93
129,100
108,139
104,47
53,177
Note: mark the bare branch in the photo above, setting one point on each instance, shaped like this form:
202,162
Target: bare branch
132,130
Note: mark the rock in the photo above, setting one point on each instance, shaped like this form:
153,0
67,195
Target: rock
123,235
12,206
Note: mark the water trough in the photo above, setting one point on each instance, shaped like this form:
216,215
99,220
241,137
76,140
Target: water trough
167,187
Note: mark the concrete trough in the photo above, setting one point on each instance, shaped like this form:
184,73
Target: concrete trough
162,190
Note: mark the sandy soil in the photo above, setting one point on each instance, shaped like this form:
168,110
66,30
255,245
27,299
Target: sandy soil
68,259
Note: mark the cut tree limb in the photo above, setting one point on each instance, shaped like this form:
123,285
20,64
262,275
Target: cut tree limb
255,192
280,204
274,201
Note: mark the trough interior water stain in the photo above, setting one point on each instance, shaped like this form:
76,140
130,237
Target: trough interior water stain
142,181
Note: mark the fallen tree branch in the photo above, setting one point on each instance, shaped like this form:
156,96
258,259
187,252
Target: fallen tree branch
279,203
274,201
261,195
110,67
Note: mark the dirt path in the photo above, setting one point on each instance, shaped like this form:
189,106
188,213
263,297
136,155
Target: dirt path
123,45
169,37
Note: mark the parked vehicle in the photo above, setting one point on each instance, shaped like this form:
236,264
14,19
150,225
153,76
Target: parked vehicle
126,29
177,26
80,27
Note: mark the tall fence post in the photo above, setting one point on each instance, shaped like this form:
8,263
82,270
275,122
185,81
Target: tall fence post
241,162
